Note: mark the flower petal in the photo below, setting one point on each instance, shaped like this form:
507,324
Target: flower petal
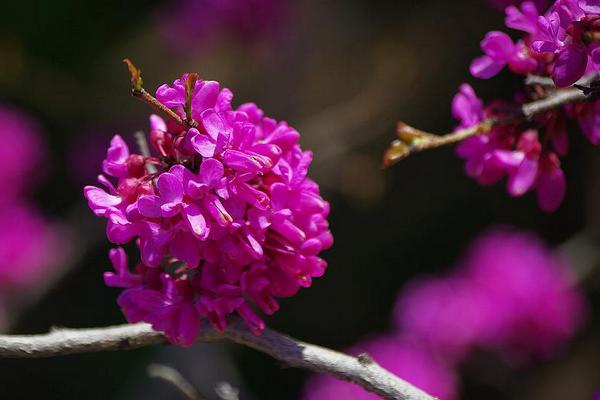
485,67
570,65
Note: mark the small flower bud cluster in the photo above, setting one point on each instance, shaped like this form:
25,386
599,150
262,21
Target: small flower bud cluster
224,215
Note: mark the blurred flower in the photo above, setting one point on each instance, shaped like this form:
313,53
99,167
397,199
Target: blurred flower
225,219
509,295
400,356
197,22
30,247
445,314
21,154
502,4
528,291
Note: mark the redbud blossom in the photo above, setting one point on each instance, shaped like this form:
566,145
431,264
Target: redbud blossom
225,217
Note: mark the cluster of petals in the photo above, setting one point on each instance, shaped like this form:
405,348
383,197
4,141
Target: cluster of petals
509,295
561,42
224,215
21,160
513,152
30,245
191,22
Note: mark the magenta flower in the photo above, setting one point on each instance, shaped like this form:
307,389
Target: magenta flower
189,22
30,246
524,18
505,151
401,356
500,51
467,107
229,221
508,295
23,154
531,294
557,42
589,6
428,309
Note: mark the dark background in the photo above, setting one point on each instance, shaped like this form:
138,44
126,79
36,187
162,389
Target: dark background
343,73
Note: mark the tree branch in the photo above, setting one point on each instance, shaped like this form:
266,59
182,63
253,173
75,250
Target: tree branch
557,99
412,140
174,378
364,371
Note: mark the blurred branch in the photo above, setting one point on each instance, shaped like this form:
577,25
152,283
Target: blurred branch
364,371
539,80
227,392
173,377
412,140
142,143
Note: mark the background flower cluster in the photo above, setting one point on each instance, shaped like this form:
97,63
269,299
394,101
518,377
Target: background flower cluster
508,296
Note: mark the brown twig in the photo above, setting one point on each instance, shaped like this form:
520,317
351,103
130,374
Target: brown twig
138,91
412,140
286,349
190,84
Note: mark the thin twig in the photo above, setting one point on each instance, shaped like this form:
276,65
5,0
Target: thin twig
286,349
138,91
412,140
174,377
190,85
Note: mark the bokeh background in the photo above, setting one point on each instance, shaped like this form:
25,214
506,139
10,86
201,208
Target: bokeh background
341,72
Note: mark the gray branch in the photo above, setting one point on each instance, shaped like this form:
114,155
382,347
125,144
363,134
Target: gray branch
560,98
174,378
362,371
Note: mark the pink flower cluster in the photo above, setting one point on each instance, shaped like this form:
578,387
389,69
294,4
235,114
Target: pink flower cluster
30,246
508,151
509,295
22,159
224,216
561,43
200,21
